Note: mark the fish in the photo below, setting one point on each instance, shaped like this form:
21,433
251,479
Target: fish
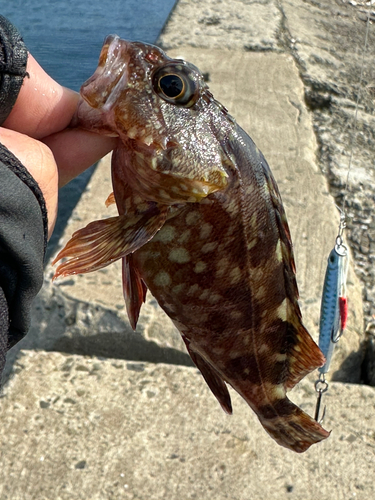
334,305
202,226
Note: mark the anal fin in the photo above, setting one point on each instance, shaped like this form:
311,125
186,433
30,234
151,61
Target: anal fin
212,378
134,289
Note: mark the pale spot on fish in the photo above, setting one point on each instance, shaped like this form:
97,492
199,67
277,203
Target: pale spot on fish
165,235
253,221
260,292
179,255
209,247
185,236
257,274
154,163
192,218
263,349
132,132
246,339
164,194
214,298
205,231
280,356
200,266
162,279
282,310
278,251
277,391
235,275
204,294
236,315
222,265
251,244
194,289
250,188
232,208
178,288
218,350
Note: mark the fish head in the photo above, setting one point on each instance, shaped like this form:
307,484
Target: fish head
135,85
171,128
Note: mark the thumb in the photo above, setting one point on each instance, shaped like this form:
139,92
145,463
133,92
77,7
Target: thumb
38,159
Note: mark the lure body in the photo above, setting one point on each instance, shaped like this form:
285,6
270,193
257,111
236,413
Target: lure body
334,310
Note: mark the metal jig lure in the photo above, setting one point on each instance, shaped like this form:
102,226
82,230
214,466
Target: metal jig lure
333,311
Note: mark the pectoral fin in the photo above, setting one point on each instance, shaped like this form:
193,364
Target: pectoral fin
104,241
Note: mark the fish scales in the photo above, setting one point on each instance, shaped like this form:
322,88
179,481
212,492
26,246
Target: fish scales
202,226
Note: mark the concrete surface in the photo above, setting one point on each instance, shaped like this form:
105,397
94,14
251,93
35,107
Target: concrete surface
111,429
133,422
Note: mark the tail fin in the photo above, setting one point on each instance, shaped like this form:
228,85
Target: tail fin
290,426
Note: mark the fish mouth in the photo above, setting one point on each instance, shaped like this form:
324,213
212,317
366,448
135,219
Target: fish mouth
110,78
103,88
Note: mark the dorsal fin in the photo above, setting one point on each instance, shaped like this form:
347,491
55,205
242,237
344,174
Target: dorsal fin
303,357
303,354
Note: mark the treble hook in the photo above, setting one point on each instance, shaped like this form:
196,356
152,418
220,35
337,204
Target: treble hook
321,386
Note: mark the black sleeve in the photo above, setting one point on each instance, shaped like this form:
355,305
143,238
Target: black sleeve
13,60
23,216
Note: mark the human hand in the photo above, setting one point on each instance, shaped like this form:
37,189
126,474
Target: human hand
37,133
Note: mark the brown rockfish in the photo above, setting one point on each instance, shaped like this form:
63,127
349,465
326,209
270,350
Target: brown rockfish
201,224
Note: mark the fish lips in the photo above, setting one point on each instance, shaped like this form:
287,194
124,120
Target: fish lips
103,88
100,92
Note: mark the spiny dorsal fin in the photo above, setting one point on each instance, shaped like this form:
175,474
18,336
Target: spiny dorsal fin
303,357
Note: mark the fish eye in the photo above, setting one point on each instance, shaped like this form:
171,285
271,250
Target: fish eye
176,83
172,86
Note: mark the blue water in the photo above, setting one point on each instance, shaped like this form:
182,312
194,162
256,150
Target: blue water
66,36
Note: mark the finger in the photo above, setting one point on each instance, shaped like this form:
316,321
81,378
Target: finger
43,106
75,150
38,159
